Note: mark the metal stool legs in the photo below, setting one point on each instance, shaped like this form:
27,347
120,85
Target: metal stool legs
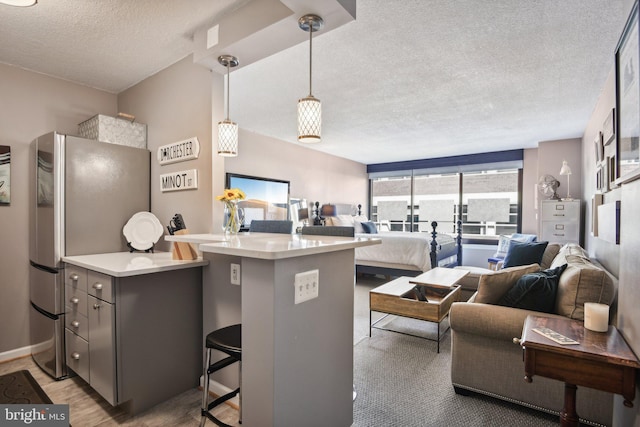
207,407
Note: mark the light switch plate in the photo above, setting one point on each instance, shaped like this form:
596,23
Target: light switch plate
235,274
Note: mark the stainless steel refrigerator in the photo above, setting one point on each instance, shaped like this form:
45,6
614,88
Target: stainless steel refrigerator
82,192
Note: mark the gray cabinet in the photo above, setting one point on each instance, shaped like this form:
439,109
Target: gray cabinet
90,329
560,221
135,339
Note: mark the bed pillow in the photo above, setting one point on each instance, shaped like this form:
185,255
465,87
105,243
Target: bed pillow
520,253
369,227
535,291
342,221
357,223
492,286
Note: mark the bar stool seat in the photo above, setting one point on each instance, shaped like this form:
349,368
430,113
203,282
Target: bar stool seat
229,341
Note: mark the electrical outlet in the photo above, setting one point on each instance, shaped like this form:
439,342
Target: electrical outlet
235,274
306,286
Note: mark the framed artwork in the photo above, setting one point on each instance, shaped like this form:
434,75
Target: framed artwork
609,128
5,175
600,177
599,148
628,101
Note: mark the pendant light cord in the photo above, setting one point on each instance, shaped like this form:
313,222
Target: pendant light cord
228,88
310,55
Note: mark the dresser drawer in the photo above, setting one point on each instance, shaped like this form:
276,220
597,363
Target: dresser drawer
77,323
77,354
75,277
560,232
76,300
100,286
561,211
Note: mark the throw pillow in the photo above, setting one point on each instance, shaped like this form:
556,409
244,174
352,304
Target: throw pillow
535,291
492,286
369,227
503,247
520,253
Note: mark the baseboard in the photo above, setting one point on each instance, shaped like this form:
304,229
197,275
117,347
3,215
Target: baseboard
220,390
15,354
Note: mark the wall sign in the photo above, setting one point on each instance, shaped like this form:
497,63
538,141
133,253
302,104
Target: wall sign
181,180
180,151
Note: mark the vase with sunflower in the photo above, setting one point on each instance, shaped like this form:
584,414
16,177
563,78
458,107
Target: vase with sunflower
232,214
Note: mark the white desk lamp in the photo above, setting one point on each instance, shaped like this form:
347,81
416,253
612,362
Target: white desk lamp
566,170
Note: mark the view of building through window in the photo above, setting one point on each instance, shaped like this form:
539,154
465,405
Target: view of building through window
485,201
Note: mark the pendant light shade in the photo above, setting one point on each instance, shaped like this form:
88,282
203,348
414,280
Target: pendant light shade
309,107
228,130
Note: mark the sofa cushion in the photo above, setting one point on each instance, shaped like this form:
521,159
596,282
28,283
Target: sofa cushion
521,253
535,291
494,285
582,282
549,255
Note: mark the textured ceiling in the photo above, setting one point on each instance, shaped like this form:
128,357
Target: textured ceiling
407,79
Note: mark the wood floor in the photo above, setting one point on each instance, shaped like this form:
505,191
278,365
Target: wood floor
88,409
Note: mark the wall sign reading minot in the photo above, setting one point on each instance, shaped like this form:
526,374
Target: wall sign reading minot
180,180
179,151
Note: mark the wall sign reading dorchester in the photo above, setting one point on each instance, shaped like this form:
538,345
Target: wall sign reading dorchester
181,180
179,151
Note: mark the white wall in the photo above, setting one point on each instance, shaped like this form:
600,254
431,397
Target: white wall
31,104
176,104
314,175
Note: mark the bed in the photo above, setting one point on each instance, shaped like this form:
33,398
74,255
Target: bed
401,253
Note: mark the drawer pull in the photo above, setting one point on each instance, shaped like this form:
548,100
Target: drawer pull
97,286
74,277
74,300
75,355
97,306
75,324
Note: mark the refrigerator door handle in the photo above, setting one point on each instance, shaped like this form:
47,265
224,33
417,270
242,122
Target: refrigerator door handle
44,313
44,268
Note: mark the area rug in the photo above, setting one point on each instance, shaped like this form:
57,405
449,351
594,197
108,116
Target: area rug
21,388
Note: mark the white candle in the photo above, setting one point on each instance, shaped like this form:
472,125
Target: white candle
596,316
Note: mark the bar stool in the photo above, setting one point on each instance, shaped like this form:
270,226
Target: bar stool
229,341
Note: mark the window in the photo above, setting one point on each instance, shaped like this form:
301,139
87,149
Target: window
484,196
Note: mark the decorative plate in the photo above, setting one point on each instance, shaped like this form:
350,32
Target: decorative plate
143,230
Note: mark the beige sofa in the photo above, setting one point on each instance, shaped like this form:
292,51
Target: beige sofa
486,360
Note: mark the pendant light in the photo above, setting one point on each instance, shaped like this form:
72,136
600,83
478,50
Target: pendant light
228,130
309,108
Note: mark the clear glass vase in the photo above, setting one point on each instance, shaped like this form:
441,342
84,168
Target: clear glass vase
232,217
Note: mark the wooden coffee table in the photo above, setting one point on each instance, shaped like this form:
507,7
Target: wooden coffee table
399,297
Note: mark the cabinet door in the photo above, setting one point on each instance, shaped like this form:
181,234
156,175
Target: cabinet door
102,348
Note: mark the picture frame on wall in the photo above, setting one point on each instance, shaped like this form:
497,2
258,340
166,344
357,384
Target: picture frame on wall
609,128
5,175
628,101
599,148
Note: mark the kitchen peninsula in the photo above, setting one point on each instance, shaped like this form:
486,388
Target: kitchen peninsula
297,359
132,325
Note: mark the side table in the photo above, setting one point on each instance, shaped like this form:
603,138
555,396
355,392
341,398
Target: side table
600,360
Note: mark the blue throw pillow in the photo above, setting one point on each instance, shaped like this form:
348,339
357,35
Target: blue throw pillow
369,227
521,253
535,291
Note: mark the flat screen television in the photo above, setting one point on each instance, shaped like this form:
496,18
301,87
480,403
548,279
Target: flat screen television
266,198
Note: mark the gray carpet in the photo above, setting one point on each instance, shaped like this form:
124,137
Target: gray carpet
401,380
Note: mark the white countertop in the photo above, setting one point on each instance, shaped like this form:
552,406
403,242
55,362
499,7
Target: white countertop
124,264
272,246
